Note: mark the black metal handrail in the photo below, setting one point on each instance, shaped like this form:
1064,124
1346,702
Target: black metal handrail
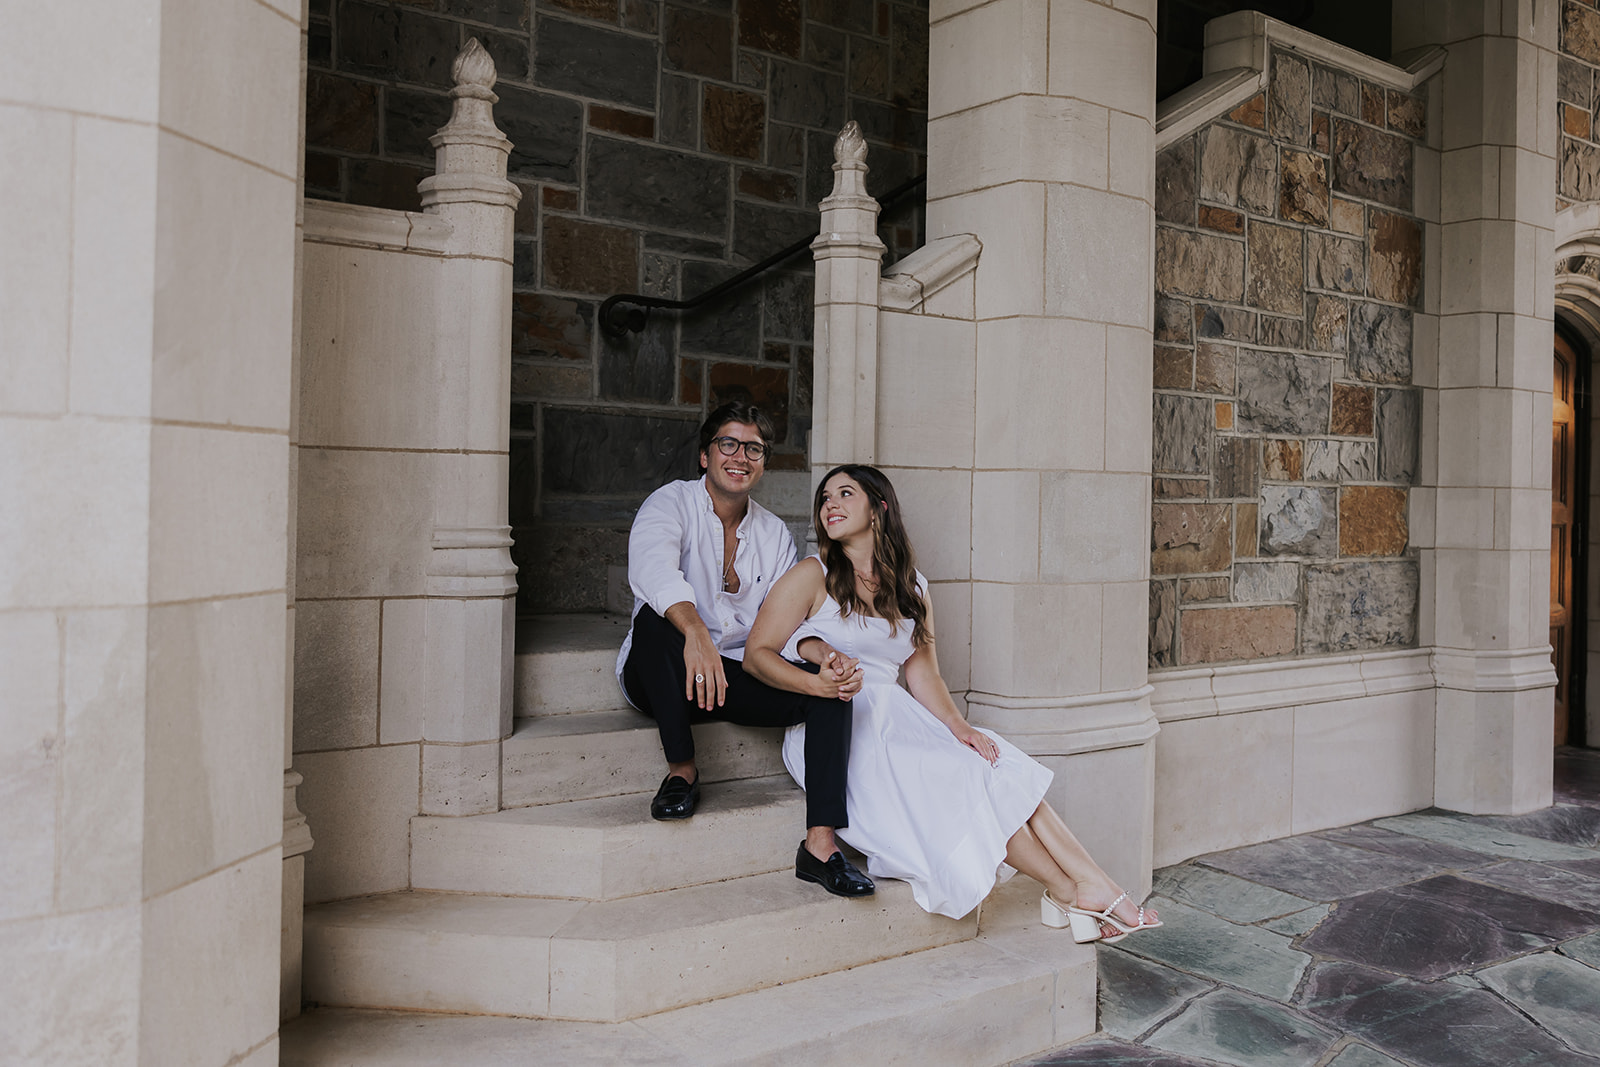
616,319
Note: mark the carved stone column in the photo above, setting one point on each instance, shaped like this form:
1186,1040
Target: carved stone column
849,259
1041,142
1487,418
471,584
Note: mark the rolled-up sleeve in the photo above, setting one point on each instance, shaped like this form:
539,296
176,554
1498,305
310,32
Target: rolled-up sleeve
655,554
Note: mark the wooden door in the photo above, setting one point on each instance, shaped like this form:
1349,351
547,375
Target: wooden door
1563,516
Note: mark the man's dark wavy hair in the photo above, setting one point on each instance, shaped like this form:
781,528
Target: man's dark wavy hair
735,411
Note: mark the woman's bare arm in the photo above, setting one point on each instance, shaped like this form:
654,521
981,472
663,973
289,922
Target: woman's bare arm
794,598
927,686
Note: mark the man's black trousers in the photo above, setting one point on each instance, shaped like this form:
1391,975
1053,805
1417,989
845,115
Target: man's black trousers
654,677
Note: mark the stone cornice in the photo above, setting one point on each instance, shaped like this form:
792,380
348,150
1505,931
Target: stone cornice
1067,725
927,270
1195,692
1237,60
327,222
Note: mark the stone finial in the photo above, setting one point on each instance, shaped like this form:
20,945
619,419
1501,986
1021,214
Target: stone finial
849,164
471,113
473,66
470,164
850,148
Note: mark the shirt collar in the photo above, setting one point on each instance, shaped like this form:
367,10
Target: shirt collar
710,507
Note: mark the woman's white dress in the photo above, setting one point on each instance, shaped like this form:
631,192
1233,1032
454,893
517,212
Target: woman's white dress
923,807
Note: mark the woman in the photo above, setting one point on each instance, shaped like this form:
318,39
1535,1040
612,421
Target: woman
932,799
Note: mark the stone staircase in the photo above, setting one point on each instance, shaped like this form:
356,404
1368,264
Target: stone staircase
572,913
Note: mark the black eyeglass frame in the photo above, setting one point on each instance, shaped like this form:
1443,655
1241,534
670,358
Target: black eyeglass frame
754,451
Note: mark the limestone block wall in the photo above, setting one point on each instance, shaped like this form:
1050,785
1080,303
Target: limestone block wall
660,148
1289,260
146,323
369,465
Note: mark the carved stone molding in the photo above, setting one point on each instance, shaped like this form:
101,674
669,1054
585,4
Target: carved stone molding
296,832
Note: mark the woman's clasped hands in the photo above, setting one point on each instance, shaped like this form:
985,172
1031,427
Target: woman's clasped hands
841,676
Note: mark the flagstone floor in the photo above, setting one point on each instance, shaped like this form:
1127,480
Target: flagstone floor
1425,940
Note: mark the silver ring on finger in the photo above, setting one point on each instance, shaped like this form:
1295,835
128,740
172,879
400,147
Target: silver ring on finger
699,679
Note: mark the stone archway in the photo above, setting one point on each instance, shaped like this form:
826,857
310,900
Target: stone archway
1577,314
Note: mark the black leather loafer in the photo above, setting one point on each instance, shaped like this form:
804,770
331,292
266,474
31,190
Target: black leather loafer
675,799
838,875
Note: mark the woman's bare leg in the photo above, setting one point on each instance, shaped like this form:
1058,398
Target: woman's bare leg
1092,887
1027,854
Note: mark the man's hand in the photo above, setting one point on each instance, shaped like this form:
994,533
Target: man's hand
704,681
841,676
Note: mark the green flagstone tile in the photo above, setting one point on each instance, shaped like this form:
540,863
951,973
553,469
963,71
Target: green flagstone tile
1136,994
1560,994
1205,946
1480,838
1225,895
1585,949
1362,1056
1298,923
1232,1028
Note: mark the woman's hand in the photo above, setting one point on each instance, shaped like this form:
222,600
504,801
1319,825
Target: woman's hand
841,676
978,741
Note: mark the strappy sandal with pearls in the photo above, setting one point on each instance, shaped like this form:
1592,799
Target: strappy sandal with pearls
1089,925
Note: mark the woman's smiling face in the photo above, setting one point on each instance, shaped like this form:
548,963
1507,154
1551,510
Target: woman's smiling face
846,509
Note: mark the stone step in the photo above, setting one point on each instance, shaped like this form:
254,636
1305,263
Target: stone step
567,663
603,960
1014,992
609,847
584,755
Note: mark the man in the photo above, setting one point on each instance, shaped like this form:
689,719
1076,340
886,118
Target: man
701,557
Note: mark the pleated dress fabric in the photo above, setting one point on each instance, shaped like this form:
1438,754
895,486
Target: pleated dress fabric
923,807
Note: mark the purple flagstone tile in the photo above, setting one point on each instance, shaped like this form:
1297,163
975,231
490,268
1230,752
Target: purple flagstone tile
1442,926
1432,1024
1587,868
1447,857
1318,869
1546,881
1102,1053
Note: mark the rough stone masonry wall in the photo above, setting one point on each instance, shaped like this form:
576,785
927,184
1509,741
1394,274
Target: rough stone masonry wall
1288,265
1578,103
660,147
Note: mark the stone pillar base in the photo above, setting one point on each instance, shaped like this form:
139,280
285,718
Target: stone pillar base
1102,750
1494,731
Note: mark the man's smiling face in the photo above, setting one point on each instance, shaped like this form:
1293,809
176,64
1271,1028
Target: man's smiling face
737,474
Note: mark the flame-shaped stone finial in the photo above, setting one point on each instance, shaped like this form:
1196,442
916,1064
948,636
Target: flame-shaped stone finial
474,66
850,146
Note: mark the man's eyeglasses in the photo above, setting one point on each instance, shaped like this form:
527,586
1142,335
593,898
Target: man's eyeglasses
754,451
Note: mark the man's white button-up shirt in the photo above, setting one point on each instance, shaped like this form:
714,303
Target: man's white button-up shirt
675,554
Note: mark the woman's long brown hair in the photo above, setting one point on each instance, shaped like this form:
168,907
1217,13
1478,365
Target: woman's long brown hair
897,598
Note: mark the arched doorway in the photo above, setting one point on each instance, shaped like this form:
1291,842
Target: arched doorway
1569,508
